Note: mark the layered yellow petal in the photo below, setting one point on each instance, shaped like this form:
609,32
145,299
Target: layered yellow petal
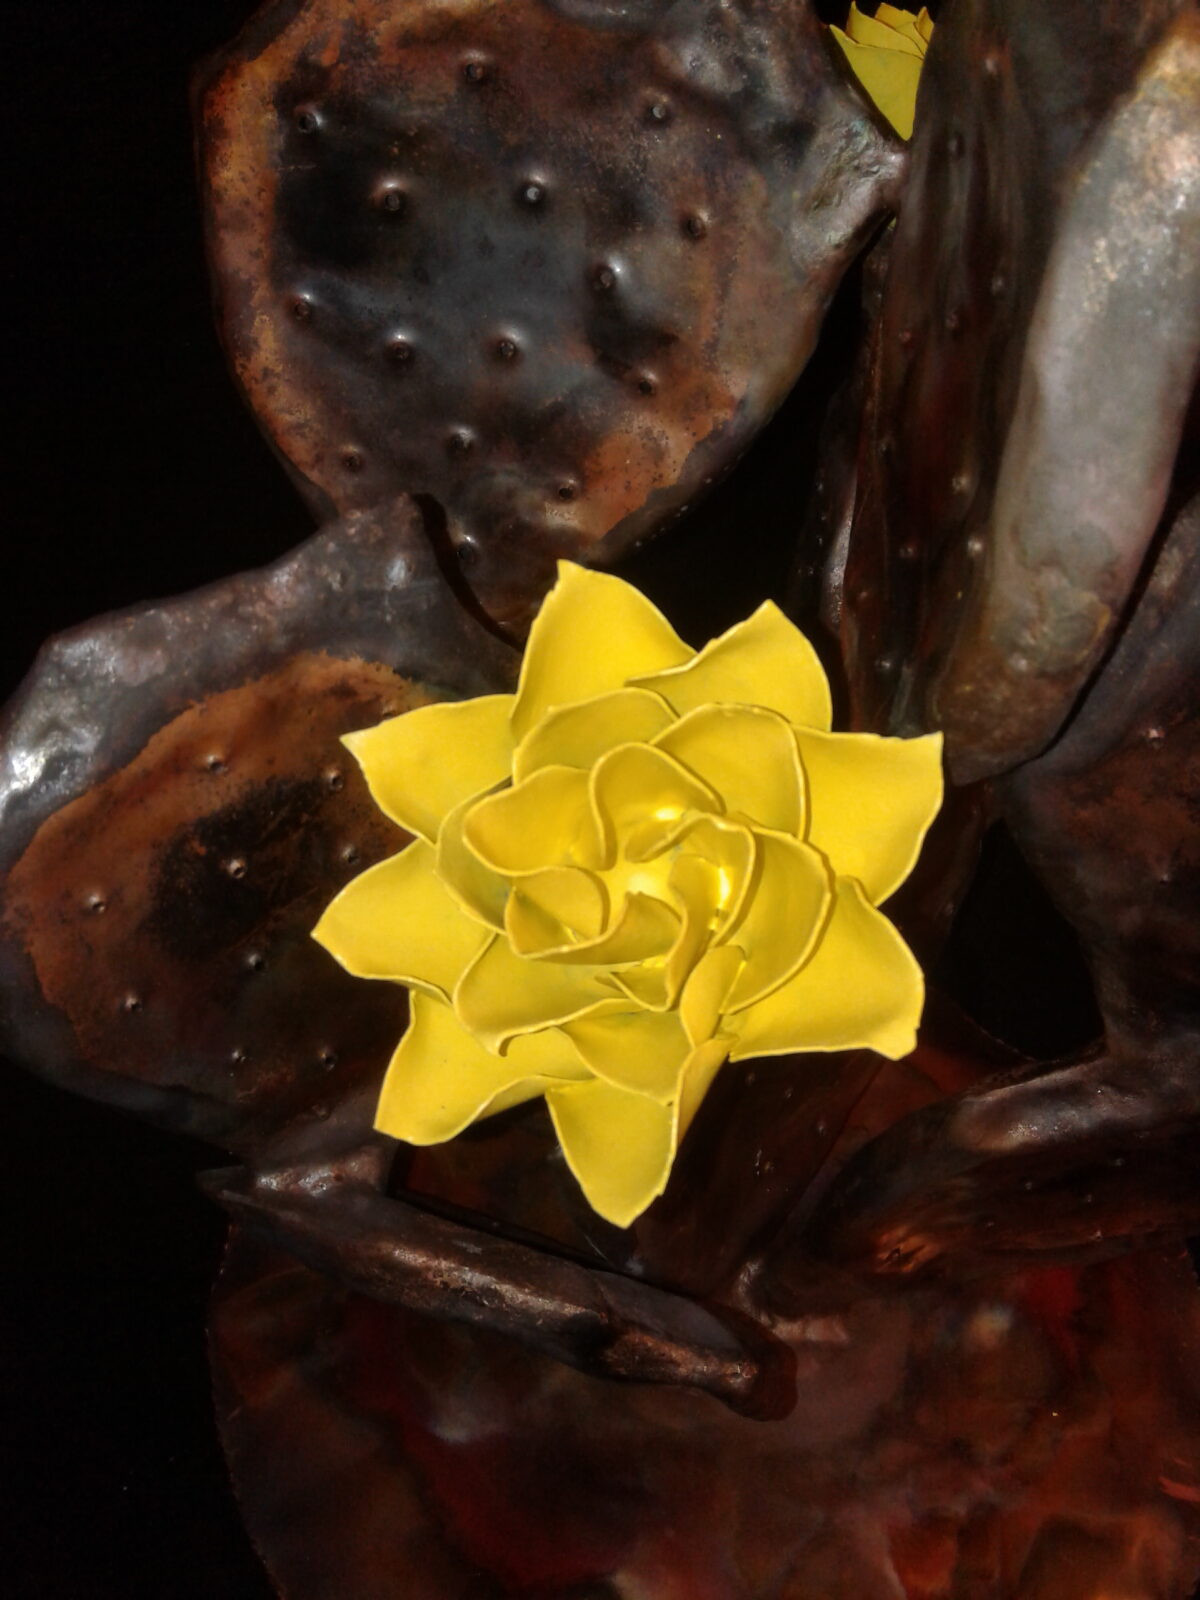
784,916
764,661
861,990
619,1145
902,22
642,791
578,735
502,994
592,634
398,921
883,33
706,993
441,1079
555,909
748,756
644,929
643,1052
481,892
421,765
871,803
886,54
545,821
704,1063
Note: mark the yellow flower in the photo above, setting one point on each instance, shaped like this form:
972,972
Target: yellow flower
645,862
886,53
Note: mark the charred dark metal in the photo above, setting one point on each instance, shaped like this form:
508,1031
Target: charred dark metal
531,248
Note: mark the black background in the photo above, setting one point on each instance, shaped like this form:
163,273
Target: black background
133,471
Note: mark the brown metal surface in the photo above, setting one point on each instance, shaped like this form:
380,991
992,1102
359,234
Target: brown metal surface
1082,531
551,263
1033,361
176,809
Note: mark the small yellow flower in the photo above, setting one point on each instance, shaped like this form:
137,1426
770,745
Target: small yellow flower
645,862
886,53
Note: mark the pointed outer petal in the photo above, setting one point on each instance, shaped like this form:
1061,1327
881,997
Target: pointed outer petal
555,909
480,892
748,756
397,921
784,916
441,1079
592,635
423,764
577,736
925,24
706,992
703,1065
880,33
903,22
765,661
502,995
862,990
544,822
871,801
644,1052
620,1146
636,787
890,79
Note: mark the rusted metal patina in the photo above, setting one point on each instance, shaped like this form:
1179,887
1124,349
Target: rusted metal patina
552,264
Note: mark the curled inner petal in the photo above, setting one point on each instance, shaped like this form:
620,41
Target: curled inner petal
748,756
545,821
639,787
481,892
555,909
502,994
578,735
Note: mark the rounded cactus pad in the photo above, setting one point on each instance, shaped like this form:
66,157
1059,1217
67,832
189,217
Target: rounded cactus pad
550,265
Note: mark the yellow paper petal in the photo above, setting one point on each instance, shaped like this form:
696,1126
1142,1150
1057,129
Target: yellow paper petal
481,892
441,1079
502,994
783,918
903,23
638,789
925,24
764,661
620,1146
544,822
397,921
423,764
644,929
711,876
881,33
577,736
592,634
704,1063
871,801
748,756
889,77
554,909
862,990
706,992
644,1052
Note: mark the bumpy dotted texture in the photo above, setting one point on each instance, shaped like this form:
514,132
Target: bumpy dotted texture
550,264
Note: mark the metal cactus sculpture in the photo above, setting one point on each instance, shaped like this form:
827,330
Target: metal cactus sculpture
510,283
